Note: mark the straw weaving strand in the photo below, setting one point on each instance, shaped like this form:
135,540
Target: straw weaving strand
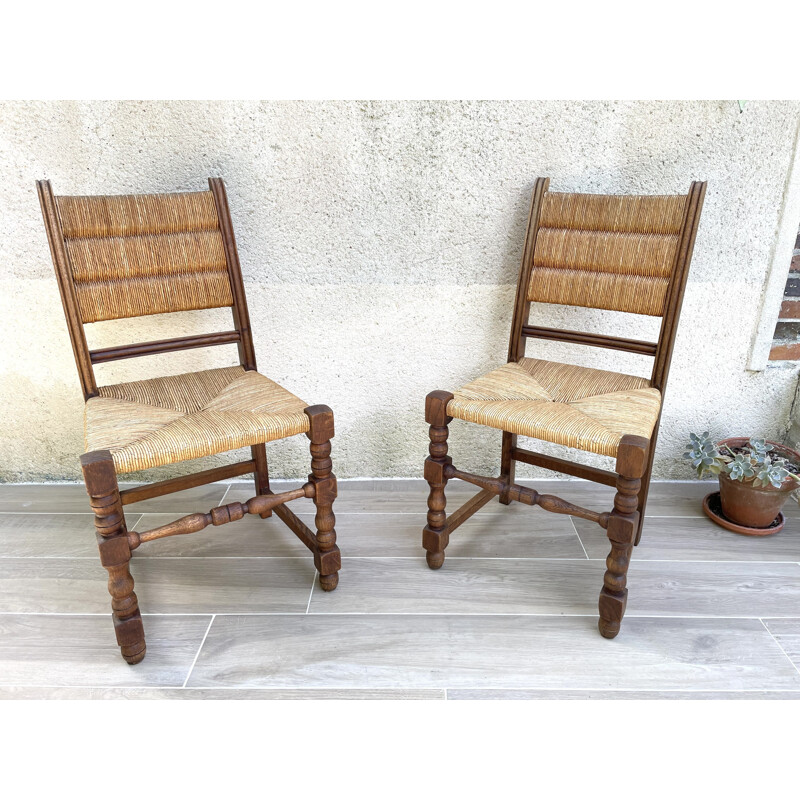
589,409
180,417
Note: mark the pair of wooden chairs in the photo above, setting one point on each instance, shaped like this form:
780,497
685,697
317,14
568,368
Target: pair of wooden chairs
118,257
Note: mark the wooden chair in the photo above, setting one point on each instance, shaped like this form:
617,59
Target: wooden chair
126,256
623,253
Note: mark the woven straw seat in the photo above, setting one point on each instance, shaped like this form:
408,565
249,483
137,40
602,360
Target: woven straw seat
164,420
589,409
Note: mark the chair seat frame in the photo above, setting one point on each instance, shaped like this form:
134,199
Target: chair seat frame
115,542
634,462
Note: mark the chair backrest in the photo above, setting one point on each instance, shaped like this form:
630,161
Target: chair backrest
617,252
133,255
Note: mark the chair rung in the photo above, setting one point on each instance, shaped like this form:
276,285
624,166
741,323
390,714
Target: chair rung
221,515
472,505
163,346
148,490
603,476
591,339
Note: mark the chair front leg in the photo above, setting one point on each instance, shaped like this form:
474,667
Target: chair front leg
434,535
115,553
327,557
623,525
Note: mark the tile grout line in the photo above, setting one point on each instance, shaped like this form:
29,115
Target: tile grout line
225,494
780,646
580,541
360,687
311,593
197,654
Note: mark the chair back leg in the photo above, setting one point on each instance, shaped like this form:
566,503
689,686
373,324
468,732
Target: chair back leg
261,473
507,464
646,478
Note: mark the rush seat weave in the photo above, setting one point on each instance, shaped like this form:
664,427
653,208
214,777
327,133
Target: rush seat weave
588,409
165,420
133,255
606,251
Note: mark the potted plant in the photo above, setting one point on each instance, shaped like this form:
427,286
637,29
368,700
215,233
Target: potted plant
756,477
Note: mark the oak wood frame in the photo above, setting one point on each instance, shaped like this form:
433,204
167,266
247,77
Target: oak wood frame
634,463
115,542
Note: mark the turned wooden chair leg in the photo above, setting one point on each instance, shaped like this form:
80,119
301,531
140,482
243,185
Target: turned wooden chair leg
259,452
115,553
623,526
327,558
434,535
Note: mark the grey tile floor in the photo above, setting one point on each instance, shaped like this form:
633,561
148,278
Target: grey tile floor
235,612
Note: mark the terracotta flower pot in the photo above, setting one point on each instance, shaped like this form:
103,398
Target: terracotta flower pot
751,506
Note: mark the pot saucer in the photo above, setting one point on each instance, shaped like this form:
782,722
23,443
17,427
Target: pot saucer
713,510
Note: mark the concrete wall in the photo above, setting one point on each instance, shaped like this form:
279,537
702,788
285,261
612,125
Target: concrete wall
380,244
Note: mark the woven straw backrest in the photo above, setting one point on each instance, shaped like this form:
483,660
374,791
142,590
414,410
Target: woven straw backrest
133,255
606,251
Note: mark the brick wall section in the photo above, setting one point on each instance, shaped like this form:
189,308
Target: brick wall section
786,341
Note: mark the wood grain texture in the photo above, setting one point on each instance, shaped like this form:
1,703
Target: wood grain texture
435,535
115,552
66,287
106,354
49,535
327,558
488,651
81,651
185,502
507,586
70,498
391,496
253,536
622,527
592,339
666,498
261,504
155,693
163,586
600,694
787,634
57,651
147,491
699,539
